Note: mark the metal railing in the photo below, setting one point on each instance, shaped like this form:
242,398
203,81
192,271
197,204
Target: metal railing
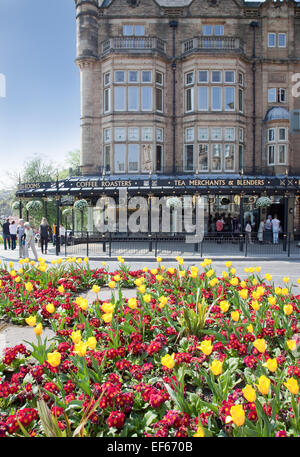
225,244
212,43
133,43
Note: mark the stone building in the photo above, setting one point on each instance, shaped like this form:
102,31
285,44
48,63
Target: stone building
199,96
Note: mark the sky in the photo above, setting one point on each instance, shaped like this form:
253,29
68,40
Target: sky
41,111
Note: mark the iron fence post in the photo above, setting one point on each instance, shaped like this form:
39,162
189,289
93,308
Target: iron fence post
156,245
87,244
289,245
284,242
109,245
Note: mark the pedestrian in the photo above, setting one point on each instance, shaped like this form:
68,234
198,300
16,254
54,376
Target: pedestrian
13,234
21,238
29,241
261,229
275,228
44,235
219,228
268,229
62,234
6,234
248,230
54,234
235,228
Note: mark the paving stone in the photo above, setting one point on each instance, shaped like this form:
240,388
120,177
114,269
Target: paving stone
12,335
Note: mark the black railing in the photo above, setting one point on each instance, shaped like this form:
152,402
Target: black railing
153,244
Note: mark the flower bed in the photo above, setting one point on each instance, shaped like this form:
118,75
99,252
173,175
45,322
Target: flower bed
192,355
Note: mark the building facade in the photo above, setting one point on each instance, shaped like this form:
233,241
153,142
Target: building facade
192,96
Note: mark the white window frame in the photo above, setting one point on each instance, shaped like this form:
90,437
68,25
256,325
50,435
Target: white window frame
221,98
272,129
186,83
232,146
191,89
207,90
206,137
282,145
207,150
269,35
185,156
285,134
207,76
234,77
274,149
234,96
228,139
285,40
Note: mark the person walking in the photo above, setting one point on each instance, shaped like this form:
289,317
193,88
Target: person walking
219,228
62,234
21,238
13,234
44,235
29,241
268,230
248,230
275,228
6,234
261,229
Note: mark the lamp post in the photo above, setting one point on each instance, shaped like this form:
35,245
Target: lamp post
57,238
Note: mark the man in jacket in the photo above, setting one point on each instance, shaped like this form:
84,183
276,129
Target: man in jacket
21,238
6,234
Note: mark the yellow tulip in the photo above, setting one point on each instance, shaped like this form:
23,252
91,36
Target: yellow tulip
50,308
206,347
272,300
80,348
250,328
292,385
112,284
292,344
264,385
76,336
84,304
92,342
249,393
271,364
255,305
243,293
216,367
260,345
132,303
54,358
158,259
31,321
168,361
61,289
268,276
235,315
38,330
228,264
199,433
147,298
288,309
224,305
107,318
108,308
96,289
234,281
29,287
237,414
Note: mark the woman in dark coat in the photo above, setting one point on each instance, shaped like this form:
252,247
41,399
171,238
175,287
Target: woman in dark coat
44,235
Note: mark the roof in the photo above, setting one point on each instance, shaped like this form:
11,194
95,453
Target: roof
277,112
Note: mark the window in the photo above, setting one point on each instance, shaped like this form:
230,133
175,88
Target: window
271,135
203,76
203,157
229,153
203,133
159,157
272,95
216,133
271,40
107,135
133,30
146,76
229,98
282,154
120,152
120,100
146,98
133,134
282,134
241,100
147,133
216,76
189,100
107,79
107,101
281,95
229,134
216,99
159,135
207,30
241,135
281,40
229,77
189,134
241,157
133,157
203,98
159,78
241,79
271,155
119,77
133,76
120,134
189,157
219,30
159,99
189,78
107,158
216,157
133,98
